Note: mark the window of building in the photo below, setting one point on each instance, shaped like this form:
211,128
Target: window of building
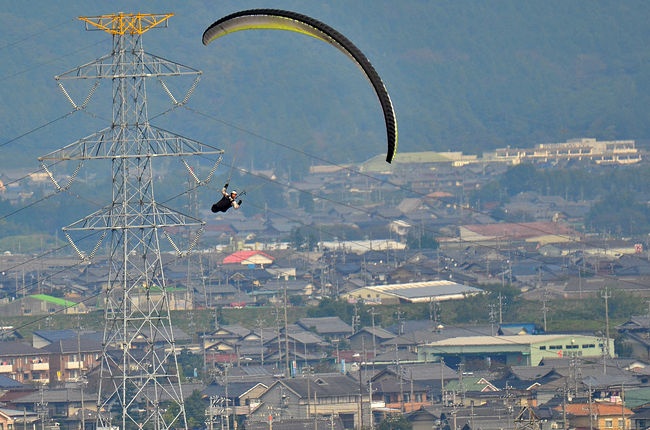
609,424
555,347
620,422
542,348
588,345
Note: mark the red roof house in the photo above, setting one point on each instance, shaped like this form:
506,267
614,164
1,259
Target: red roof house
248,257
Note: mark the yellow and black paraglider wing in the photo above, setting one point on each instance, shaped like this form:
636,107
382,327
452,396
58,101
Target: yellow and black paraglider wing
292,21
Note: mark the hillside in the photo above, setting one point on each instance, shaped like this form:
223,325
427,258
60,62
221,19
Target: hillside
463,75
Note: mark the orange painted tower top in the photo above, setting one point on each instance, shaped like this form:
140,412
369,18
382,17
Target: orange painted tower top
133,23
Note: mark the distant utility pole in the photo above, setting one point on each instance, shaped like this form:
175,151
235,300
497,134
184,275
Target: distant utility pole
492,317
606,296
544,307
286,334
500,309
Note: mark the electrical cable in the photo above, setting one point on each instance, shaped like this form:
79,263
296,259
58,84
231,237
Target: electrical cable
380,180
38,33
371,213
20,72
36,129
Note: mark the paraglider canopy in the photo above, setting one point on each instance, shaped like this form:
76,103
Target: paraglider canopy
286,20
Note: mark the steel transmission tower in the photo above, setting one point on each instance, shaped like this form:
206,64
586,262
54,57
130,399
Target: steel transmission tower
136,301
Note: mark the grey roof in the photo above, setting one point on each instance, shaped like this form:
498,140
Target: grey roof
400,354
252,371
179,334
18,348
596,381
297,424
394,385
323,385
640,414
425,372
530,373
326,325
15,413
90,342
9,383
55,335
235,329
60,395
235,389
434,335
379,333
303,336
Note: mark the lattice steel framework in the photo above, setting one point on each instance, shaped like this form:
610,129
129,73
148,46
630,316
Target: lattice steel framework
136,303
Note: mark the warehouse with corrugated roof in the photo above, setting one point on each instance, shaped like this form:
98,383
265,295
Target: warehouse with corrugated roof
412,292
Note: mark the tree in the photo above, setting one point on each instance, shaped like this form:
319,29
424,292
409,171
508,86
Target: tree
195,407
301,239
189,363
421,240
328,307
306,201
395,422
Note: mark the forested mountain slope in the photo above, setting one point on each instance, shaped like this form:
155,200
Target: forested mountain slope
463,75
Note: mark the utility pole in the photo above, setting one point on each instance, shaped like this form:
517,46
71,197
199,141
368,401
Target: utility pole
401,379
136,297
623,404
42,405
500,309
442,381
564,390
286,334
308,369
211,406
227,399
606,296
374,355
544,308
360,396
492,317
591,412
81,377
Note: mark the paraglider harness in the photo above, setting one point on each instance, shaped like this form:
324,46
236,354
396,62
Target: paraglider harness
227,200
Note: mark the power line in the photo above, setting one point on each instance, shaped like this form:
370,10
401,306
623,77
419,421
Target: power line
180,257
36,129
26,287
380,180
478,245
20,72
38,33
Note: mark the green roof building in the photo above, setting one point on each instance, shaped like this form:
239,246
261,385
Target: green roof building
378,164
520,350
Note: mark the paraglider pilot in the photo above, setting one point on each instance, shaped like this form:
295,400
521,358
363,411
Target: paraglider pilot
226,201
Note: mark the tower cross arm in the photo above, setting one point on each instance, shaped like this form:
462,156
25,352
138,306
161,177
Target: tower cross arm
132,23
155,142
107,67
